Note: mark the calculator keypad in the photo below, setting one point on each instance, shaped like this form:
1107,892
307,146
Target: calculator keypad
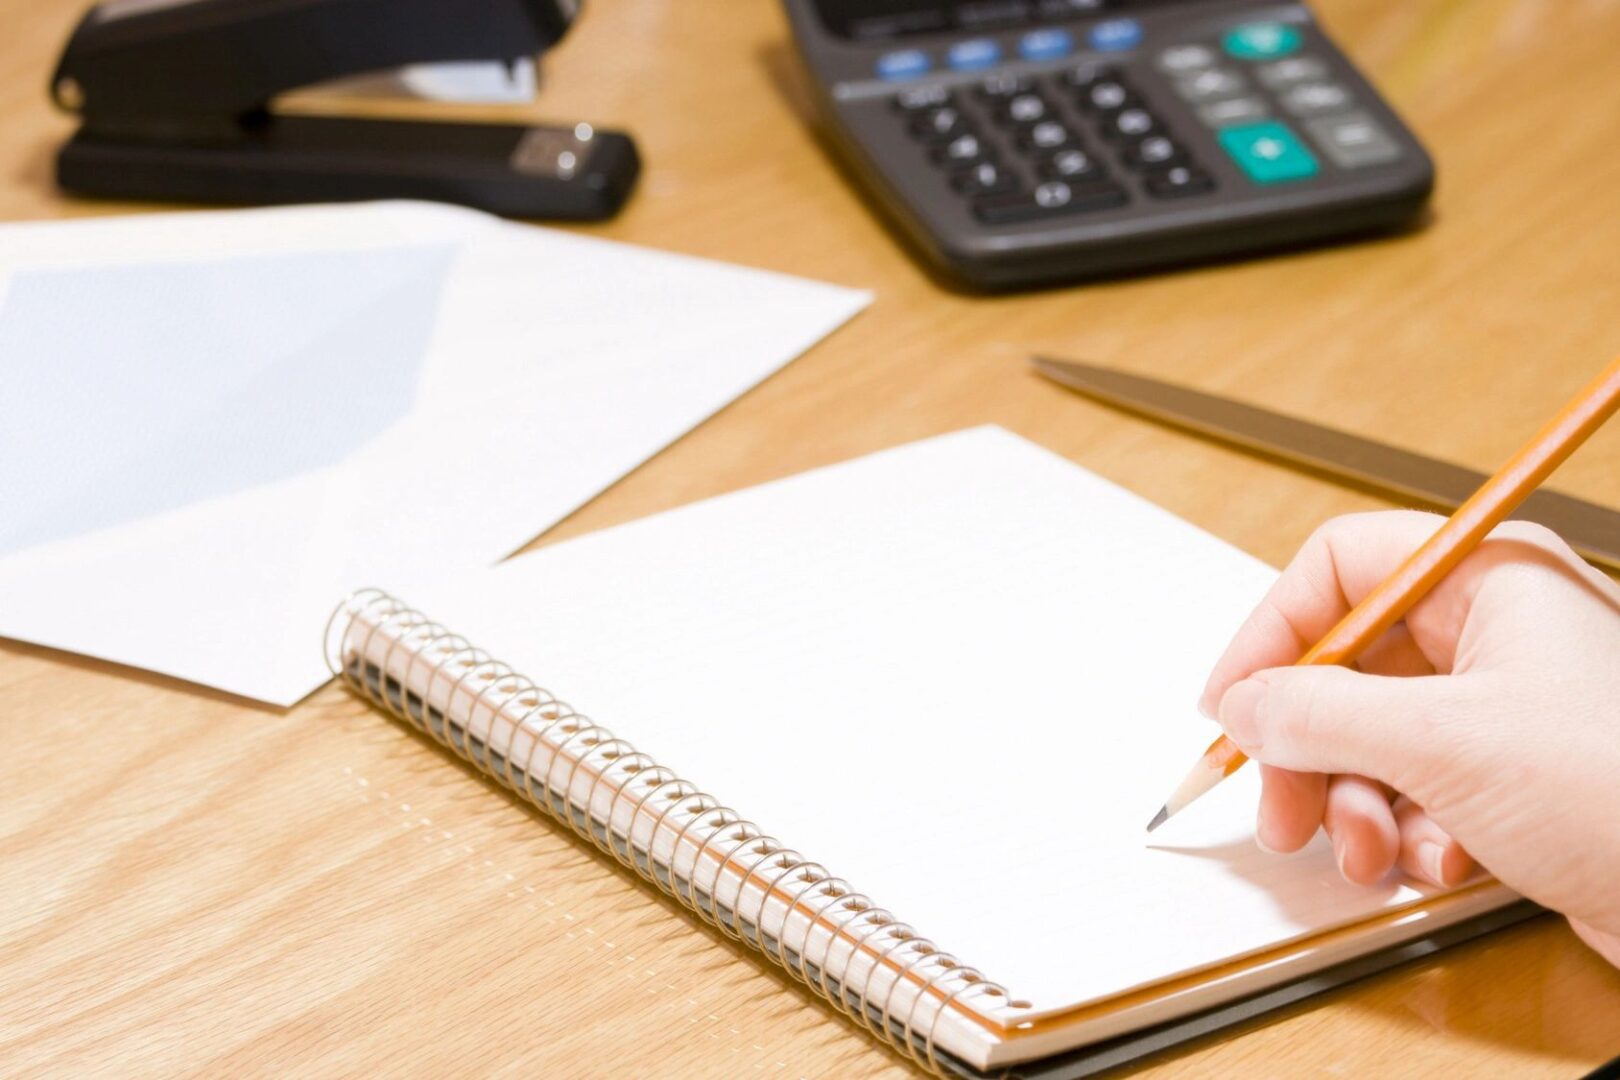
1293,84
1046,159
1024,147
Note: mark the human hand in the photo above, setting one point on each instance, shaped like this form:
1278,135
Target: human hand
1485,725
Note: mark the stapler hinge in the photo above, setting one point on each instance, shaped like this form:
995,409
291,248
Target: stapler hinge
175,99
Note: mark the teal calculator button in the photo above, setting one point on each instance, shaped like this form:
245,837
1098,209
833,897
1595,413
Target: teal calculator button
1261,41
1269,152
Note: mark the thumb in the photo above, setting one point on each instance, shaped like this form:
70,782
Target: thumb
1334,720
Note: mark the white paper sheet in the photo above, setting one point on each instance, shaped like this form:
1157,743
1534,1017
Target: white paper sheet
213,424
962,675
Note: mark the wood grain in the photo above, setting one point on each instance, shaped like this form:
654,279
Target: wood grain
189,884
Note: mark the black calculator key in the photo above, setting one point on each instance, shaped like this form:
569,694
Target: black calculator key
1155,150
1046,135
986,178
963,150
1178,180
1050,199
918,98
1025,109
1128,124
1105,96
938,125
1070,164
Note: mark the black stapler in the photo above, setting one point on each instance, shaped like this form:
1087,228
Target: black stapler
175,97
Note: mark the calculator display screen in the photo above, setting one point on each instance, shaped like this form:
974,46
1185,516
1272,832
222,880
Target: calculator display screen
876,20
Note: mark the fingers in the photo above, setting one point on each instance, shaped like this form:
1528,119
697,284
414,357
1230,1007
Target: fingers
1371,836
1291,808
1366,841
1355,812
1333,720
1341,563
1427,851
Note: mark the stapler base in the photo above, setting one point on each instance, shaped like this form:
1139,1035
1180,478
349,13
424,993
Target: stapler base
578,173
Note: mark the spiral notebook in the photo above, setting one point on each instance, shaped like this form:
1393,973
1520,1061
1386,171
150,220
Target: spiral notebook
898,725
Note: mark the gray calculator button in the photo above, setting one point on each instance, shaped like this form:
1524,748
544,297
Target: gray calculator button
1315,98
1296,69
1354,140
1186,59
1211,85
1238,110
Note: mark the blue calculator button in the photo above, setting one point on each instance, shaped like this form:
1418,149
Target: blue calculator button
903,64
1116,35
1269,152
1261,41
1045,44
974,54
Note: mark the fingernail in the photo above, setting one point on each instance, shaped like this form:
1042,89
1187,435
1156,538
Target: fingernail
1431,858
1260,838
1338,856
1206,710
1242,710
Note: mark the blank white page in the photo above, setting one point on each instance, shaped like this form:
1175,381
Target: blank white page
962,675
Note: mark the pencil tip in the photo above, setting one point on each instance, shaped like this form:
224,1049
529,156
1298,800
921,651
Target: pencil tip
1160,818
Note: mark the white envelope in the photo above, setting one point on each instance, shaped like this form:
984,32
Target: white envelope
215,425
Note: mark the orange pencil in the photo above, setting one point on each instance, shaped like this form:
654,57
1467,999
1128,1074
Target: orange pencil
1462,532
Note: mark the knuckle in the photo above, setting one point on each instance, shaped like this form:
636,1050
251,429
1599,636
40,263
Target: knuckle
1337,530
1351,539
1338,534
1532,533
1351,527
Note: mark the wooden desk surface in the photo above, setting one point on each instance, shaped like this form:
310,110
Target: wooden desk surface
188,883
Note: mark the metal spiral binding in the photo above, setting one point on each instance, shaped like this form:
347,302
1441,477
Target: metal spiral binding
441,684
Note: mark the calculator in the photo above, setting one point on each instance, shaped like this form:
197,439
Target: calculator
1027,142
